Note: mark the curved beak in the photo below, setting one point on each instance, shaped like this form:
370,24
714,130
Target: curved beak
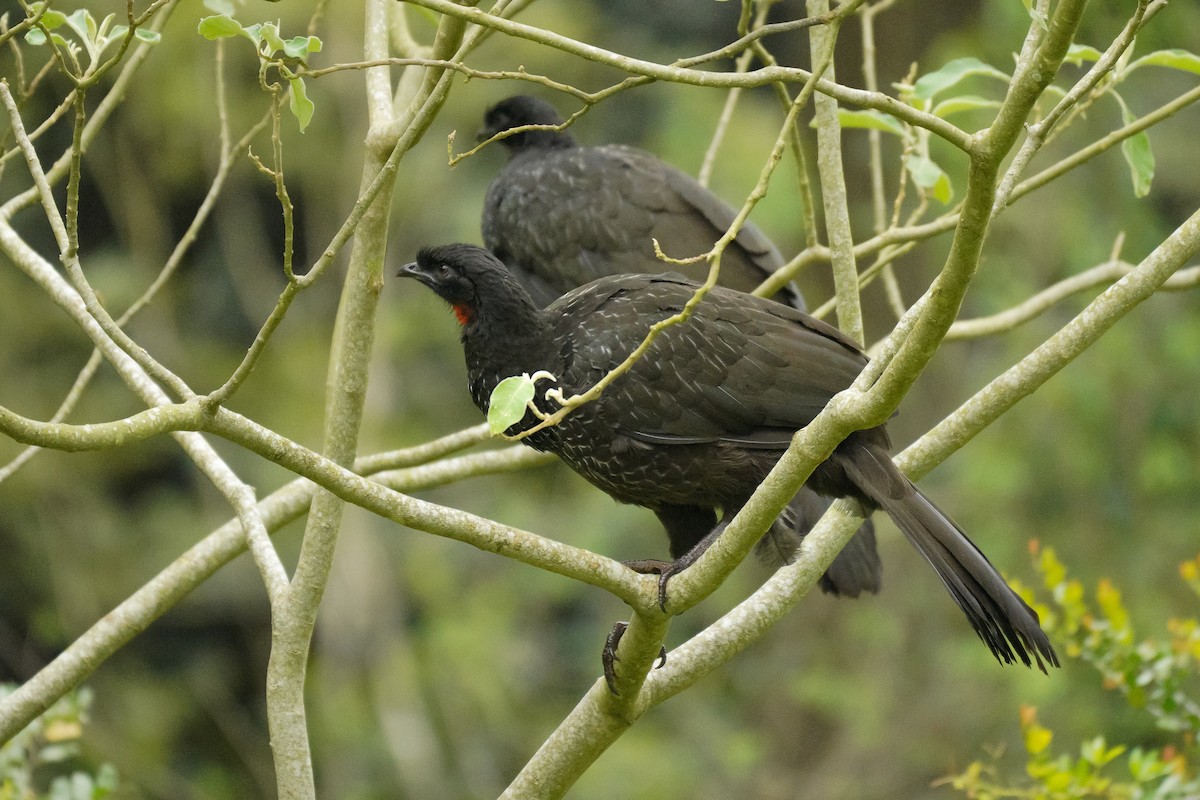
410,270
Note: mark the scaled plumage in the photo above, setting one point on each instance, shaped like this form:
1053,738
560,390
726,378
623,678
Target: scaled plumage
561,215
701,418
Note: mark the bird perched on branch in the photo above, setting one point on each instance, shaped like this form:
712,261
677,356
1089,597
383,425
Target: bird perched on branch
560,215
698,421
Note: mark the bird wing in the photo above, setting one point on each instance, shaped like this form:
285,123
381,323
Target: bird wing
689,219
561,215
570,216
740,369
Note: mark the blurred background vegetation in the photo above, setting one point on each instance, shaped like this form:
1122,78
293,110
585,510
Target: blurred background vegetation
437,669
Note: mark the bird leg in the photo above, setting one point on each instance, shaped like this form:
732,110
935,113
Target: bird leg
691,530
665,570
609,657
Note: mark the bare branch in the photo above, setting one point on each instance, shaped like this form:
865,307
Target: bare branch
759,77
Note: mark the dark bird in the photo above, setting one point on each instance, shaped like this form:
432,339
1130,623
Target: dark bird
560,215
698,421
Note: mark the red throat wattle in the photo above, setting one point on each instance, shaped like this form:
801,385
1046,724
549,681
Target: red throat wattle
463,313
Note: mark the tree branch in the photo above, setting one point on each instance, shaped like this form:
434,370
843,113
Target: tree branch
405,470
589,730
833,181
694,77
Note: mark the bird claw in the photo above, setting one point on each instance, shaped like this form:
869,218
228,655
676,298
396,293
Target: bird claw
665,570
663,577
609,657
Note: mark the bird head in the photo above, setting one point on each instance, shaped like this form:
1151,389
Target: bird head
467,277
519,110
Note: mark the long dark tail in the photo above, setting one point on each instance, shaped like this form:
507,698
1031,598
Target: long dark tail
1007,625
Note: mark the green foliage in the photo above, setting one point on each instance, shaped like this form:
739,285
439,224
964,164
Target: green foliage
1154,676
37,762
928,86
1161,774
847,699
870,118
929,176
1173,58
285,55
1138,155
510,400
84,32
924,93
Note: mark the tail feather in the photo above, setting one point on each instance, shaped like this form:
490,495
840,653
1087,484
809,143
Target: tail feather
855,569
1006,624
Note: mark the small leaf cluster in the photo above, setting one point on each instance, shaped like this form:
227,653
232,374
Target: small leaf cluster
934,93
1149,774
284,55
78,32
1156,676
47,747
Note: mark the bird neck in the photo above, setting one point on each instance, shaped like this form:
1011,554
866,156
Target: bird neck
538,141
506,336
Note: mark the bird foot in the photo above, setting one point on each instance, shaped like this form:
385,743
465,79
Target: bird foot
609,657
665,570
648,566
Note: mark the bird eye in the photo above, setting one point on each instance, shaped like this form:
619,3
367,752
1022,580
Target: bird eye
444,270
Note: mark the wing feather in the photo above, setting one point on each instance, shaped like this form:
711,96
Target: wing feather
734,376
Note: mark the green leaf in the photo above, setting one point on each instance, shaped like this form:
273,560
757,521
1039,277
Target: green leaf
220,26
254,32
106,780
141,34
300,46
1037,739
930,177
1138,155
964,102
1079,53
220,7
508,402
35,37
302,108
270,36
943,189
53,19
956,71
1097,752
83,24
1175,59
869,118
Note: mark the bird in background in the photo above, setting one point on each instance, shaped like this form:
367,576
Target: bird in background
560,215
700,419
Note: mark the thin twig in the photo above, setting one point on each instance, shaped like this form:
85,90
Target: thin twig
1036,133
760,77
